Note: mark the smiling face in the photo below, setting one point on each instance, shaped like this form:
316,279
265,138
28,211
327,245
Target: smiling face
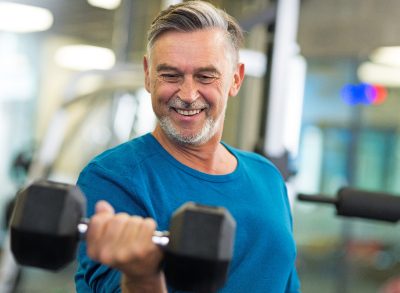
190,76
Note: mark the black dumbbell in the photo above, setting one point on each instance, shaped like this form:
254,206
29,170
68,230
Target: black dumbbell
48,221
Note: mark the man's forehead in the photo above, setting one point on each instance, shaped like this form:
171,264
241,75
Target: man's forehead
204,46
173,32
212,37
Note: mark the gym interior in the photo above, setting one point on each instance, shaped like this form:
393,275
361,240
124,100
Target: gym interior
321,99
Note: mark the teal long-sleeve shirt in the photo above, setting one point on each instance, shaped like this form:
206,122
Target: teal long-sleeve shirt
140,178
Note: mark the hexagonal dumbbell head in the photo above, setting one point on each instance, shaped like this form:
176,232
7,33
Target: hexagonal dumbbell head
44,224
200,248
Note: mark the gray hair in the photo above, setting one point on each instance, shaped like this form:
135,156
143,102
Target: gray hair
195,15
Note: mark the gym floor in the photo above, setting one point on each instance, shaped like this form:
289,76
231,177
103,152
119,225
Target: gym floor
40,281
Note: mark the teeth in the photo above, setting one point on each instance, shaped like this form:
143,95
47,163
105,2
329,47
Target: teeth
188,112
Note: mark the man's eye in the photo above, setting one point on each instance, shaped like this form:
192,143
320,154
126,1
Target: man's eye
169,77
206,78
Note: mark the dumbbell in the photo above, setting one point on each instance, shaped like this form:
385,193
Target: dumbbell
48,221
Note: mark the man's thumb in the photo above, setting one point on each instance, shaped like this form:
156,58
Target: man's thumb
104,207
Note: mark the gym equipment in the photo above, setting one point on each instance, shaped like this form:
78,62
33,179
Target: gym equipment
351,202
48,222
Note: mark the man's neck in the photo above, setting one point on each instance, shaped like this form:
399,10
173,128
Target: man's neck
211,157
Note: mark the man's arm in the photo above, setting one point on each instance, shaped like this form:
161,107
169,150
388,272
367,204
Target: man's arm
153,284
125,242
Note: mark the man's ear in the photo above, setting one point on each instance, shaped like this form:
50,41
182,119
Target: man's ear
238,77
146,65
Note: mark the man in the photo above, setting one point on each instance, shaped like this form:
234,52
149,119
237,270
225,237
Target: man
191,69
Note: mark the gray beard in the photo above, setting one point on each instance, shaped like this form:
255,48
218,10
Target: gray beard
206,133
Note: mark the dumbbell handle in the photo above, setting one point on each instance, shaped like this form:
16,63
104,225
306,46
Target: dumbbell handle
160,238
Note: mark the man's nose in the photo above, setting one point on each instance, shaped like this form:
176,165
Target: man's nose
188,90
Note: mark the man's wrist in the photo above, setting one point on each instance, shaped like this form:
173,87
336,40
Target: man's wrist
153,284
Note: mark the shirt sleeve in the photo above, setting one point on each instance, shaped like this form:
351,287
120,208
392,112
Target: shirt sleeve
293,285
95,277
98,183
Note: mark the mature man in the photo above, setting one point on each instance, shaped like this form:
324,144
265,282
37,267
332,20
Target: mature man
191,69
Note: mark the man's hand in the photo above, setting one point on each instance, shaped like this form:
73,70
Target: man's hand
125,242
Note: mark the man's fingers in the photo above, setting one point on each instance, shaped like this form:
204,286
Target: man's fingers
109,241
122,241
97,227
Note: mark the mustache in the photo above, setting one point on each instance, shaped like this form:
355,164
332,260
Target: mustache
180,104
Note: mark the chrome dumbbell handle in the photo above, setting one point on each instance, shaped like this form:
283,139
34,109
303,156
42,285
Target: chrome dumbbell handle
160,238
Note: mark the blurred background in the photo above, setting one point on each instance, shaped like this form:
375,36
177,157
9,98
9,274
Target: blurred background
321,99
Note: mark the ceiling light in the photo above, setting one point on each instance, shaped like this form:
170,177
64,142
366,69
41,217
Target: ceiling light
106,4
386,55
24,18
84,57
379,74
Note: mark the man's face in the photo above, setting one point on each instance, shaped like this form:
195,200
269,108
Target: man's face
190,77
